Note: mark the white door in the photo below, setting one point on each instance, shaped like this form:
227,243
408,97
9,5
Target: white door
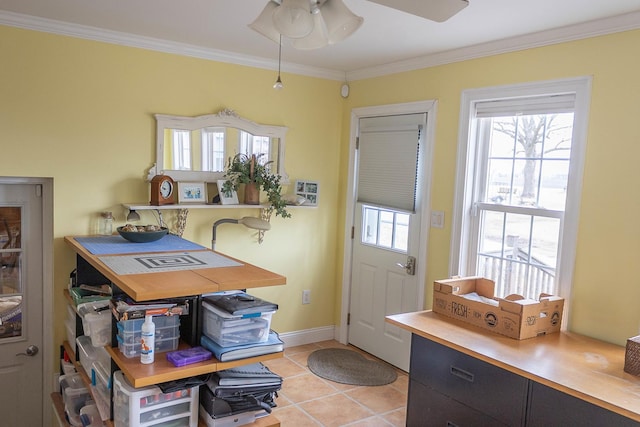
387,264
21,306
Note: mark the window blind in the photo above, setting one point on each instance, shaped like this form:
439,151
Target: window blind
388,160
549,104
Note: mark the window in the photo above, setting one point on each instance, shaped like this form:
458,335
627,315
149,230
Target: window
181,149
519,180
385,228
213,149
258,145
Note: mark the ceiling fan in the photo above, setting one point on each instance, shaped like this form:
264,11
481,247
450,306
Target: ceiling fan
434,10
313,24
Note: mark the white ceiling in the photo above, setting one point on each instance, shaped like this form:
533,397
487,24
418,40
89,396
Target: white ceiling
388,41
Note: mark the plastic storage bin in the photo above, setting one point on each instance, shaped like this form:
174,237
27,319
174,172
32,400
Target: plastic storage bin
89,354
71,331
90,416
71,313
130,333
96,321
148,406
74,395
101,389
228,330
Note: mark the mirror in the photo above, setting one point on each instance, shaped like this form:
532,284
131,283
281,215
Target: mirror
198,148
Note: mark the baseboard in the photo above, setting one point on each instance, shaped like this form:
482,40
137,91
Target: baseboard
308,336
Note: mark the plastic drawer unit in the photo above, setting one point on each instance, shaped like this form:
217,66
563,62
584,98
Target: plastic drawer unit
228,330
149,406
130,333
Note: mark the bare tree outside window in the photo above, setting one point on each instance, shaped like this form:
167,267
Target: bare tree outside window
527,167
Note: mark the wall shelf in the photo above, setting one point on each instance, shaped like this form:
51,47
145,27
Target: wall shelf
178,206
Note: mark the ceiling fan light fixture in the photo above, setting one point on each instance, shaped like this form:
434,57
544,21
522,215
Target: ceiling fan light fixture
340,21
293,18
263,24
317,38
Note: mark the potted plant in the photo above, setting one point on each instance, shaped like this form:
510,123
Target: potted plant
248,170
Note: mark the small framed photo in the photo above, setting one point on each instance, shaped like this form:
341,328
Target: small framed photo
310,190
192,192
227,199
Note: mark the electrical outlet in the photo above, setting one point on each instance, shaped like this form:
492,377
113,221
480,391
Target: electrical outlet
306,297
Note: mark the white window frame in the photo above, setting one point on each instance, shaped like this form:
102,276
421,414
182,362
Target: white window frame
255,144
210,155
181,149
461,235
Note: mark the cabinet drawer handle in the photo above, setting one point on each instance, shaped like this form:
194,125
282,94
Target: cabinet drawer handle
450,424
461,373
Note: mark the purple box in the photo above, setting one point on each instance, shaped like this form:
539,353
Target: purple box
188,356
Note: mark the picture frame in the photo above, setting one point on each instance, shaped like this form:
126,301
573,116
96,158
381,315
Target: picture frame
310,190
192,192
224,200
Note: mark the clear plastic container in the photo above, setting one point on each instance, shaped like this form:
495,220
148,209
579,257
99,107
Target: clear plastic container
90,417
101,388
228,330
96,321
133,349
75,396
71,313
90,354
71,331
167,335
148,406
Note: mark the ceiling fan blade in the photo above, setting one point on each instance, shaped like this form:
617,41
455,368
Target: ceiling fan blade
434,10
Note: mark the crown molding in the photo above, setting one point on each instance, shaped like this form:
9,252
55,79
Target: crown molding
126,39
615,24
626,22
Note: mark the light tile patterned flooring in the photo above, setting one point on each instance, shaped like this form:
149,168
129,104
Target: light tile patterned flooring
308,400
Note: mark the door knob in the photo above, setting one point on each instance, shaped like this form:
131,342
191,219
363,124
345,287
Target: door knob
32,350
410,266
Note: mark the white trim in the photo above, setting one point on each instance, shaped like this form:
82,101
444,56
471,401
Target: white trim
581,86
308,336
125,39
615,24
429,107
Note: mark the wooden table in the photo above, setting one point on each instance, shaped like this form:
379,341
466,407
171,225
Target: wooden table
150,286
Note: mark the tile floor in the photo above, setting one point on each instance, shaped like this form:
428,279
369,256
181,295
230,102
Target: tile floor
308,400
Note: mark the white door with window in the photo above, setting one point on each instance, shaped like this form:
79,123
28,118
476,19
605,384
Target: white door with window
387,266
519,175
24,378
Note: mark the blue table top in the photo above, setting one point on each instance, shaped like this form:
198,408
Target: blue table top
104,245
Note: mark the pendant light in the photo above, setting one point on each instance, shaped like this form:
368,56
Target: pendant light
278,84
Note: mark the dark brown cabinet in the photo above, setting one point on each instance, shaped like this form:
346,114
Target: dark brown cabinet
448,388
549,407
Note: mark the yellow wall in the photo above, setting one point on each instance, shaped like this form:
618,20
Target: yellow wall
606,297
82,112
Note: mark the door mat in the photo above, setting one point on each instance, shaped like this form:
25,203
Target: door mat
349,367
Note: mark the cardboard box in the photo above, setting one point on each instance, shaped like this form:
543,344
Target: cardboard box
513,316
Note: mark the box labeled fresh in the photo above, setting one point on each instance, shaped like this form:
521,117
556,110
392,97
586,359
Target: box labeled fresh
472,300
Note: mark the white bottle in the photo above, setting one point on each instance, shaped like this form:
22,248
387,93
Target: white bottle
148,340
